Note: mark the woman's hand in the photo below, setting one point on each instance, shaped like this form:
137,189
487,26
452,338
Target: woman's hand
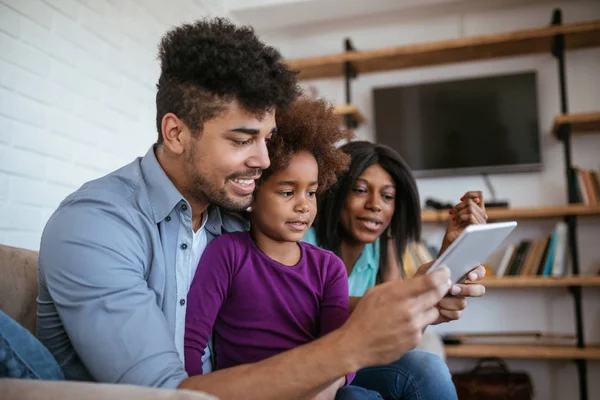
470,210
453,304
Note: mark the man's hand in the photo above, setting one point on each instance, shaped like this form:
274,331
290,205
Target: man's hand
390,318
452,305
470,210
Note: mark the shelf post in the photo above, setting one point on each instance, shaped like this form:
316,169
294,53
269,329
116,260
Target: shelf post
349,74
558,50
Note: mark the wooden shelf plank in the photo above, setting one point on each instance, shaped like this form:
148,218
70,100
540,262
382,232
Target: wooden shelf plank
541,281
580,122
529,41
350,109
499,214
550,352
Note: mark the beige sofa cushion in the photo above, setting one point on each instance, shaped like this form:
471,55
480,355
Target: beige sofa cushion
18,389
18,286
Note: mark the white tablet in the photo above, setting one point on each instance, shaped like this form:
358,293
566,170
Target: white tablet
471,248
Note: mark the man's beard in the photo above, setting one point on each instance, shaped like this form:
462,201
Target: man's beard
203,189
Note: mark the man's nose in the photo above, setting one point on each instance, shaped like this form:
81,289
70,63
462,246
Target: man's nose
260,158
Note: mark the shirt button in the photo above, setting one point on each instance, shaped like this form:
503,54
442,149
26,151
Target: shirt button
168,218
184,207
183,246
182,302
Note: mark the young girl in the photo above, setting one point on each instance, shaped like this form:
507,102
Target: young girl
263,292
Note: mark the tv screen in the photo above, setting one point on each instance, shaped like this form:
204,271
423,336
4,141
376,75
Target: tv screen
461,127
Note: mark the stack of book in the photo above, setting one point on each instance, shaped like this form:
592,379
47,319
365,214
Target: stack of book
587,185
546,256
417,254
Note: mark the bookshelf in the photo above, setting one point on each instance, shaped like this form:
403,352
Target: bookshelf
542,281
580,123
529,351
523,42
556,39
503,214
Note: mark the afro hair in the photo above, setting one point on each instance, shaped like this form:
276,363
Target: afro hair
309,125
211,62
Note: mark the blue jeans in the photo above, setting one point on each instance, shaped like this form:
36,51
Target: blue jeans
418,375
22,355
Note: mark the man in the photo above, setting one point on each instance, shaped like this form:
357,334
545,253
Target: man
118,255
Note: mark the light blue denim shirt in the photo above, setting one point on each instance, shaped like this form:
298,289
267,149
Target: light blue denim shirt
364,272
111,304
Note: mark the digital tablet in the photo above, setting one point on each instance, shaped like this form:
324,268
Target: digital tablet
471,248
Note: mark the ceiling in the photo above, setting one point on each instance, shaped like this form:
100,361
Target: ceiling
267,15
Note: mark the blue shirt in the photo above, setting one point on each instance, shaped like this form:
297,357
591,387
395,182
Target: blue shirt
364,272
112,299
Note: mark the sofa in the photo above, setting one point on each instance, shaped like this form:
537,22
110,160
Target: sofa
18,292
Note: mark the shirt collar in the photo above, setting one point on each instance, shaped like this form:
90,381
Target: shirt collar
221,221
369,258
164,196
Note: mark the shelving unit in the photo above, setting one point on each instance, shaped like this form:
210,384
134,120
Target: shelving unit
542,281
351,111
504,214
580,123
549,352
556,38
529,41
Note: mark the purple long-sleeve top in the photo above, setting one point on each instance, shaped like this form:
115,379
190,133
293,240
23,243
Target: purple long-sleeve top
256,307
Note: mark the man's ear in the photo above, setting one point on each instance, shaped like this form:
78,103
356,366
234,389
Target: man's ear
174,132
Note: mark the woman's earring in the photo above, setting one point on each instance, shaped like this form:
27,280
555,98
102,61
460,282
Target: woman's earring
249,209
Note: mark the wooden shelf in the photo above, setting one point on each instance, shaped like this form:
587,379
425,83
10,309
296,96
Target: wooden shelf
580,123
500,214
529,41
350,109
550,352
541,281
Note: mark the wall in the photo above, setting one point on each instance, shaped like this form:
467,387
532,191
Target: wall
77,100
501,309
77,87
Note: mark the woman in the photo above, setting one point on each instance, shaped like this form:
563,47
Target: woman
367,219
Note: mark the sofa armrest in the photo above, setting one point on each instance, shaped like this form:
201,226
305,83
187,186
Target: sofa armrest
24,389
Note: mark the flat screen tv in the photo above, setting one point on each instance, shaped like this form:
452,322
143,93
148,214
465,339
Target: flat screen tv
462,127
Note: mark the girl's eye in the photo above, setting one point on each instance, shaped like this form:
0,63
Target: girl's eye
310,195
287,193
359,190
388,197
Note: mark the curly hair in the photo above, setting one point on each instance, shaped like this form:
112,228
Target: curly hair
309,125
211,62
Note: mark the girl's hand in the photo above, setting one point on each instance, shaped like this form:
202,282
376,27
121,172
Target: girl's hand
470,210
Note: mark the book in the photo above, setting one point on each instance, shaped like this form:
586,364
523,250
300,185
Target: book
508,254
560,251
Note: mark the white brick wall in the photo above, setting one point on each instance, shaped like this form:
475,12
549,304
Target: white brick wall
77,87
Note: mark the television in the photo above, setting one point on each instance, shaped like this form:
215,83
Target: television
462,127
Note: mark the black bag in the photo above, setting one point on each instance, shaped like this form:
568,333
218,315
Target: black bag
493,382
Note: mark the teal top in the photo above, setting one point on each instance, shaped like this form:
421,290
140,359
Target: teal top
365,269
